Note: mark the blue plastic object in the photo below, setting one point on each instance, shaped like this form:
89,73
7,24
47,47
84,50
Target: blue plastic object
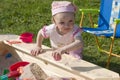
109,11
8,55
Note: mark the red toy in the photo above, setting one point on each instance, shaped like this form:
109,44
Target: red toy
26,37
14,69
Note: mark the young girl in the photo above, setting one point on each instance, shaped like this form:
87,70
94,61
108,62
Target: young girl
64,35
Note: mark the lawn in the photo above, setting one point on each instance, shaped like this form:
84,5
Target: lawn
18,16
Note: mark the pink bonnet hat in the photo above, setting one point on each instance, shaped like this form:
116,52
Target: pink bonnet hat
62,6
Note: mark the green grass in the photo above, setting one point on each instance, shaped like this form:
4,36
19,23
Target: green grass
18,16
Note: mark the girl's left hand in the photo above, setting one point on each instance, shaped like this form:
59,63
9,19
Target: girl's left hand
57,54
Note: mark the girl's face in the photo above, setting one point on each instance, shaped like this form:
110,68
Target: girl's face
64,22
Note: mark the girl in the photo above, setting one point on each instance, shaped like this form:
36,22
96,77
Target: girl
64,35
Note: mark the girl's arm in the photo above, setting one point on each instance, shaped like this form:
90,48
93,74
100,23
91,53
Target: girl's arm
38,48
77,44
39,39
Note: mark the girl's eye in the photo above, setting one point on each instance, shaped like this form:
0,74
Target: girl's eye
71,21
61,22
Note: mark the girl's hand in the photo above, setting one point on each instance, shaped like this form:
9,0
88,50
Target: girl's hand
57,54
36,51
57,57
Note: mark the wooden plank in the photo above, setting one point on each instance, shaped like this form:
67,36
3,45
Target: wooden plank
49,68
68,65
8,37
77,67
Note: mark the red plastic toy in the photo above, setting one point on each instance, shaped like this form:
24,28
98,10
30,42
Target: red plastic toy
26,37
13,69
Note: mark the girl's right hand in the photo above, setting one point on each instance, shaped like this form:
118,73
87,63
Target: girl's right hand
36,51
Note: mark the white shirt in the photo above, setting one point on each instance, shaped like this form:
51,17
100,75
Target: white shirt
58,40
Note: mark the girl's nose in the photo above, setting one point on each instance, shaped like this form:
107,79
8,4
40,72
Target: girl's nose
66,25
